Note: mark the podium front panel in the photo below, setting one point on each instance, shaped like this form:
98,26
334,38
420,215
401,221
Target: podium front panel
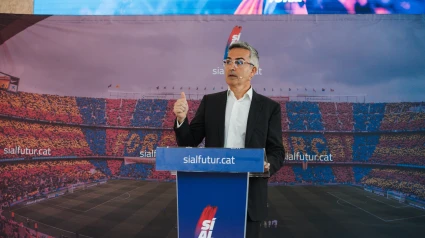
212,204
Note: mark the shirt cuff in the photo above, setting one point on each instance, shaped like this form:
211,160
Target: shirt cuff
178,124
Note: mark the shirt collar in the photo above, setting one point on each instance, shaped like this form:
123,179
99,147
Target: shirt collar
248,93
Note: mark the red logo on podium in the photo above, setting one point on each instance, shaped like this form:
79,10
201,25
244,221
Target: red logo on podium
206,222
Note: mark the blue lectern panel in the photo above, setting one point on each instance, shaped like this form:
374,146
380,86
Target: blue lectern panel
212,205
210,159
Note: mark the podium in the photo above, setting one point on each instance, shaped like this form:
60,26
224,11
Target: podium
212,188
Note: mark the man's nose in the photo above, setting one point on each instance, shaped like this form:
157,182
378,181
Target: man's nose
233,66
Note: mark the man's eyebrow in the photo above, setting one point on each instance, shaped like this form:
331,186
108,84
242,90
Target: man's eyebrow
236,58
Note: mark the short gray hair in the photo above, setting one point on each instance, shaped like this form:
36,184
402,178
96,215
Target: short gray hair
253,53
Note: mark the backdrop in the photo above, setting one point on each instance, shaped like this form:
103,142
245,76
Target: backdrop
207,7
350,89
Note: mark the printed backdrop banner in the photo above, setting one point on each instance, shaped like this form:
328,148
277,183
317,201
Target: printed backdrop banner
255,7
350,86
94,91
362,58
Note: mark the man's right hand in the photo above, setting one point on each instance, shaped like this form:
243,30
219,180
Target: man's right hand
181,108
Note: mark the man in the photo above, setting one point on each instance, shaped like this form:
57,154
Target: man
237,118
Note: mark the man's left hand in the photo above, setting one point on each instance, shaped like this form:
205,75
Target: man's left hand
266,166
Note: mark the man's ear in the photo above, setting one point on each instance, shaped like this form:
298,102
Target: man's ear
253,71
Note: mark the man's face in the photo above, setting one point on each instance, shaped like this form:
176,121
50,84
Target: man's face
239,74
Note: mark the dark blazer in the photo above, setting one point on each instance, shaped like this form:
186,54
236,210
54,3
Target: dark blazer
264,130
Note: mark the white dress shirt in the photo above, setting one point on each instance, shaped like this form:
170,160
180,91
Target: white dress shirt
236,119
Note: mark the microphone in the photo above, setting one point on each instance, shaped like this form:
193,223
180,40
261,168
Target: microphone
240,77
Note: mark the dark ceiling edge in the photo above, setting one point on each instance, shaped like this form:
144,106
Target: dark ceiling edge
13,24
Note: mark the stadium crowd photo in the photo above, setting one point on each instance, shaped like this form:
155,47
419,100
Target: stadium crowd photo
69,155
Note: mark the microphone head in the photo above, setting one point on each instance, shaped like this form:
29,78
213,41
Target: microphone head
240,77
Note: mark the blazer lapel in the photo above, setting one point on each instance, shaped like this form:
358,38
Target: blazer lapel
254,112
221,104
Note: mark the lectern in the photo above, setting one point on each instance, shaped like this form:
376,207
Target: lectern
212,188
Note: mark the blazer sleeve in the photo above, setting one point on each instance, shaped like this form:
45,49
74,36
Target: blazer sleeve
274,146
191,134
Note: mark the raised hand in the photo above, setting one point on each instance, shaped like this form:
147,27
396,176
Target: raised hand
181,108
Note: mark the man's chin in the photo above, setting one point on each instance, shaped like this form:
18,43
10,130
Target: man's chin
231,79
